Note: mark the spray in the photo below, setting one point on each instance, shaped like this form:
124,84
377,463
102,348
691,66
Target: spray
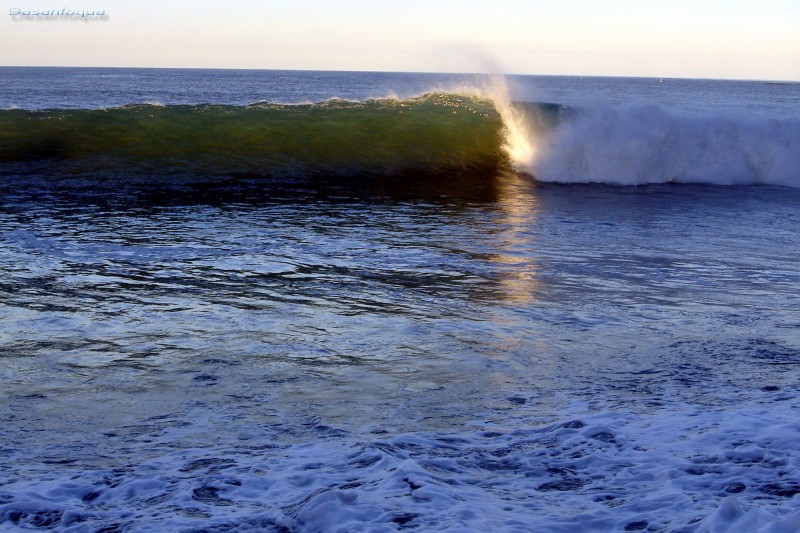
520,140
519,143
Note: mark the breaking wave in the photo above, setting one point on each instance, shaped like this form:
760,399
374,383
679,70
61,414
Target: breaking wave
470,131
639,145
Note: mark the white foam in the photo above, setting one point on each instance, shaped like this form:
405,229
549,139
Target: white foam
677,469
647,144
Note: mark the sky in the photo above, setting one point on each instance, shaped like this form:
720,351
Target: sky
752,39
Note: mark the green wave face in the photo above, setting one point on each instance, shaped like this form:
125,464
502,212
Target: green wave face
435,133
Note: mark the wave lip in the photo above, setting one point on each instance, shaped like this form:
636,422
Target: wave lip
434,133
646,144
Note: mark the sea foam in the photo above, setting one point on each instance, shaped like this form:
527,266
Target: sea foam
649,144
679,469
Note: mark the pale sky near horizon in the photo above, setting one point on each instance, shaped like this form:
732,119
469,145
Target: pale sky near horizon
679,38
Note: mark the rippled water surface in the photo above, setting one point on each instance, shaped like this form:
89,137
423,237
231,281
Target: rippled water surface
134,330
437,353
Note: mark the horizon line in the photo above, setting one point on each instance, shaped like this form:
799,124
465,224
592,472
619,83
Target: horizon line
520,74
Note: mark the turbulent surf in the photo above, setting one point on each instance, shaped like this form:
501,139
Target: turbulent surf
645,144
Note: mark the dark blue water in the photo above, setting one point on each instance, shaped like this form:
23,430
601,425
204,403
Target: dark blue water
509,355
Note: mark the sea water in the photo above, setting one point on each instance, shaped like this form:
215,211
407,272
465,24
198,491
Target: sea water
600,335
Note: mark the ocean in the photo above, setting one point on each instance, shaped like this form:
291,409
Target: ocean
332,301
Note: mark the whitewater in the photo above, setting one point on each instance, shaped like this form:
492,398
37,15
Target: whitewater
310,301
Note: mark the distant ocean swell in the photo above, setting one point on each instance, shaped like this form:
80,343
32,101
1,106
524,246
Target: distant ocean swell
436,134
